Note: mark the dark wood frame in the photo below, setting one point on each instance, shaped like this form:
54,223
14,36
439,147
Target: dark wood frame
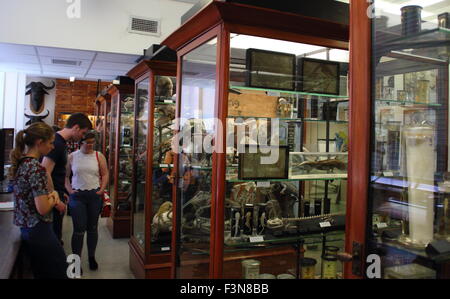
104,104
143,263
359,136
218,19
301,64
363,59
249,65
119,221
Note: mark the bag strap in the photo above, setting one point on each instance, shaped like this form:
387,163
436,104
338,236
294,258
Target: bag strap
99,171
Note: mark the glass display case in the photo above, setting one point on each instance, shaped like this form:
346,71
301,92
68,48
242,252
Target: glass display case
150,245
121,157
408,225
104,101
262,145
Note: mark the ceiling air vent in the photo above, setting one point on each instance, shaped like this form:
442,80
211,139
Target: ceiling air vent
146,26
66,62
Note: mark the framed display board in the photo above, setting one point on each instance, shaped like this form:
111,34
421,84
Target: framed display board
267,69
6,145
318,76
256,162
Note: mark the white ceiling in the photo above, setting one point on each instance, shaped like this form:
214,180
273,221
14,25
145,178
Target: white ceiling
37,61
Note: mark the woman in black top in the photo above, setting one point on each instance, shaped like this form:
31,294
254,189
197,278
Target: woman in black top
33,202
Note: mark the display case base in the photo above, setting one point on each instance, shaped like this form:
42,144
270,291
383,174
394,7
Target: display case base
273,261
140,270
119,226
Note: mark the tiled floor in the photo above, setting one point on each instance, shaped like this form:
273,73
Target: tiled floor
112,254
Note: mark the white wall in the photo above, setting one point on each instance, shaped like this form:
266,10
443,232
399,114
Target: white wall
49,100
12,100
14,103
103,25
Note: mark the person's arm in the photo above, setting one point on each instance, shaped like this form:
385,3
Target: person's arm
43,199
45,203
104,173
68,172
49,165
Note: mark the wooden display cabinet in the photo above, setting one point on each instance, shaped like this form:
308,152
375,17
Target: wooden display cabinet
120,157
399,175
150,244
214,90
103,104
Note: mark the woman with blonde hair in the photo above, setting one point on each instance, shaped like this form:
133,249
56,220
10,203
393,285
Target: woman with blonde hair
33,203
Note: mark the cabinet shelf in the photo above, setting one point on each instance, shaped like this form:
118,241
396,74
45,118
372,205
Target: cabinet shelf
299,120
300,177
288,92
277,241
408,103
172,166
430,43
396,245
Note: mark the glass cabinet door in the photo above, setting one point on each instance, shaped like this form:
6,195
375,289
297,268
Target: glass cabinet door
286,162
112,147
140,159
409,179
198,93
162,164
107,127
125,158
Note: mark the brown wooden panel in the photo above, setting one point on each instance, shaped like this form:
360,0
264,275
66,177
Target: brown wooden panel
63,107
274,261
161,273
136,265
281,23
120,227
359,131
63,84
79,100
249,104
77,108
63,99
80,92
63,92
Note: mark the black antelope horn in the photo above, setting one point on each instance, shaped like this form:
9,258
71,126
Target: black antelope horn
50,87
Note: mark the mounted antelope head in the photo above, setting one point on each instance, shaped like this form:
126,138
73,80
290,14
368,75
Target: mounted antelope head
37,92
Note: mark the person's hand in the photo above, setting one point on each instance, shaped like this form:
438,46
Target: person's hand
54,196
61,207
66,199
100,192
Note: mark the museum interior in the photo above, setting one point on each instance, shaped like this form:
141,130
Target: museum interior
242,139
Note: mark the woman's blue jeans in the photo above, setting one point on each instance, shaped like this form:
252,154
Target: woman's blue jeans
47,256
85,208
